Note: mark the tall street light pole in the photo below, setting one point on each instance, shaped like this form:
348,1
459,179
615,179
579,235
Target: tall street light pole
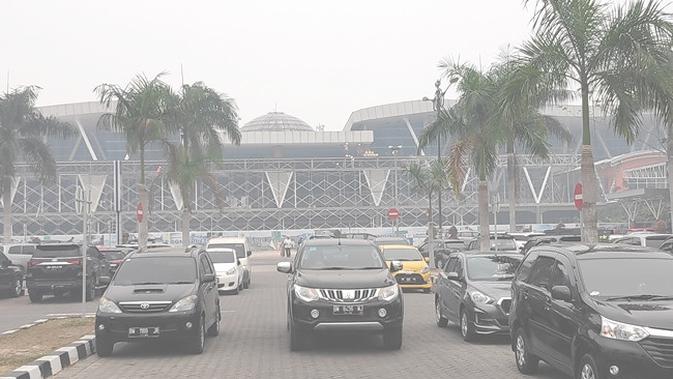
394,150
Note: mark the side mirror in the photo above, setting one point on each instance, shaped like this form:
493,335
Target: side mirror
427,259
284,267
453,276
209,278
249,252
396,266
238,262
561,293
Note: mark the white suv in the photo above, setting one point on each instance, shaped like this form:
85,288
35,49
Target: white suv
227,269
242,248
19,253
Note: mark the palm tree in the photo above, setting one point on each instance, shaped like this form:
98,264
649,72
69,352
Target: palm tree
22,132
607,52
203,117
141,114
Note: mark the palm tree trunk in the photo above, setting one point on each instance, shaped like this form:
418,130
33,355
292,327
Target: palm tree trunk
484,217
7,211
142,192
589,190
669,169
431,231
511,185
184,226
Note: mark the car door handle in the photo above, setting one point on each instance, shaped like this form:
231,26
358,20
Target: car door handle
547,304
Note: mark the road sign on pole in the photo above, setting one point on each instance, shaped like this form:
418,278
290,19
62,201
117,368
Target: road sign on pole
393,214
140,212
579,202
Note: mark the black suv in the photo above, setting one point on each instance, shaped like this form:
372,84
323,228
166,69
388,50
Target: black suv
594,312
339,285
473,290
165,293
11,277
56,269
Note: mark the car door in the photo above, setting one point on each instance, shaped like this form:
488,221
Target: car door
537,299
207,288
6,272
213,296
563,316
441,284
456,290
102,266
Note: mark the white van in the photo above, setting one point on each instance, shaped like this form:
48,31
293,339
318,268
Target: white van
242,248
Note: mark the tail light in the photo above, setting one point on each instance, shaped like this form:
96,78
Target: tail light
31,263
74,261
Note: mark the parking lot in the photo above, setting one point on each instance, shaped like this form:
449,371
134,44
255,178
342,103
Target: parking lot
254,344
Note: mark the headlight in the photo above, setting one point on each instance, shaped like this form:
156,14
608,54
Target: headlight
231,271
389,293
108,306
620,331
306,294
185,304
480,298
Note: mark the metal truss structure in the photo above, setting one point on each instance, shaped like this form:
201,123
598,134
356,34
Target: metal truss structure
274,195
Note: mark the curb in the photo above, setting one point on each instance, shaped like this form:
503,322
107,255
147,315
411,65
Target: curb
53,363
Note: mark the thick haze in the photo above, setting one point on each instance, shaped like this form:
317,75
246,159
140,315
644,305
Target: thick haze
316,60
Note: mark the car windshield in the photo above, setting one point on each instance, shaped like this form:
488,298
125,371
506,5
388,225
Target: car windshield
156,270
402,255
113,255
492,268
503,244
618,277
239,248
222,256
340,257
57,251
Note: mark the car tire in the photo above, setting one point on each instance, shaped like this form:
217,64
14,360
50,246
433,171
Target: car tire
214,329
526,362
441,320
467,327
198,343
104,347
588,369
299,339
35,297
392,338
235,291
17,288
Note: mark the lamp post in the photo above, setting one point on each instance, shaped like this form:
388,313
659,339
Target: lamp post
394,150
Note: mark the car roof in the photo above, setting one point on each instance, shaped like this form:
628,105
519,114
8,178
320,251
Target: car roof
337,241
220,250
167,252
605,251
479,253
227,240
665,235
397,246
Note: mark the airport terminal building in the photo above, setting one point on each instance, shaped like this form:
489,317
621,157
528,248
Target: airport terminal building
289,175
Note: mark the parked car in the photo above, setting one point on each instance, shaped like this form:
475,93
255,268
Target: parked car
358,236
503,243
447,244
416,273
342,285
467,235
11,277
227,269
19,253
473,290
168,294
644,239
537,241
114,256
667,245
604,311
378,241
56,269
522,238
243,251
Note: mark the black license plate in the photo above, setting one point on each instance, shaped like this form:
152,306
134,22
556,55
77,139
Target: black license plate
356,310
143,332
54,268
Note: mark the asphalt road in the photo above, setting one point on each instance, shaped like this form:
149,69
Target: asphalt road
254,343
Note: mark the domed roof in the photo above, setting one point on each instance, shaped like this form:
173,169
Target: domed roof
276,122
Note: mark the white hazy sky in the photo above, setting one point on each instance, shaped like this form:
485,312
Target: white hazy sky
317,60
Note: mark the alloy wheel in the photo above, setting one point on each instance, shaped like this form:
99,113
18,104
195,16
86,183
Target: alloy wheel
463,324
438,312
587,372
18,287
520,351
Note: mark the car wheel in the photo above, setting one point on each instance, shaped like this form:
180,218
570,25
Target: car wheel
214,329
17,288
299,339
466,327
587,369
441,320
526,362
104,347
235,291
35,297
199,339
392,339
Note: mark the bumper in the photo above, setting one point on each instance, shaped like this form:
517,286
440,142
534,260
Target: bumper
632,359
227,282
489,319
414,280
52,286
369,321
115,328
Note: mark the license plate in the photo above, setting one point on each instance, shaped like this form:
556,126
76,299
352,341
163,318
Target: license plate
356,310
143,332
53,268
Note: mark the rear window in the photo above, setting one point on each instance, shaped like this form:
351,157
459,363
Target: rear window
156,270
239,248
655,241
57,251
21,249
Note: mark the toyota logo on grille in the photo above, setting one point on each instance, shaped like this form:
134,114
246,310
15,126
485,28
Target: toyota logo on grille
144,306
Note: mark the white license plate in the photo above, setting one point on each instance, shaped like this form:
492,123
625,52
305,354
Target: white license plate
144,332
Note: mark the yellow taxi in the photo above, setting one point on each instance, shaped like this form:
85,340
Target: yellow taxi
415,273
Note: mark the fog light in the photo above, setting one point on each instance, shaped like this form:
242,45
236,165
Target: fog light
101,327
315,313
383,312
614,370
188,325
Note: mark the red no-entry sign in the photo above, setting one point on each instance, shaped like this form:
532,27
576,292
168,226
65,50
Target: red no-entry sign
139,212
393,213
579,201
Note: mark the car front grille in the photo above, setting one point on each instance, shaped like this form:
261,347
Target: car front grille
409,279
505,303
144,306
660,349
349,295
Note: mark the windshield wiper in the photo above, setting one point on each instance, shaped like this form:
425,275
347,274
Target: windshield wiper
368,268
181,282
640,297
144,283
333,268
